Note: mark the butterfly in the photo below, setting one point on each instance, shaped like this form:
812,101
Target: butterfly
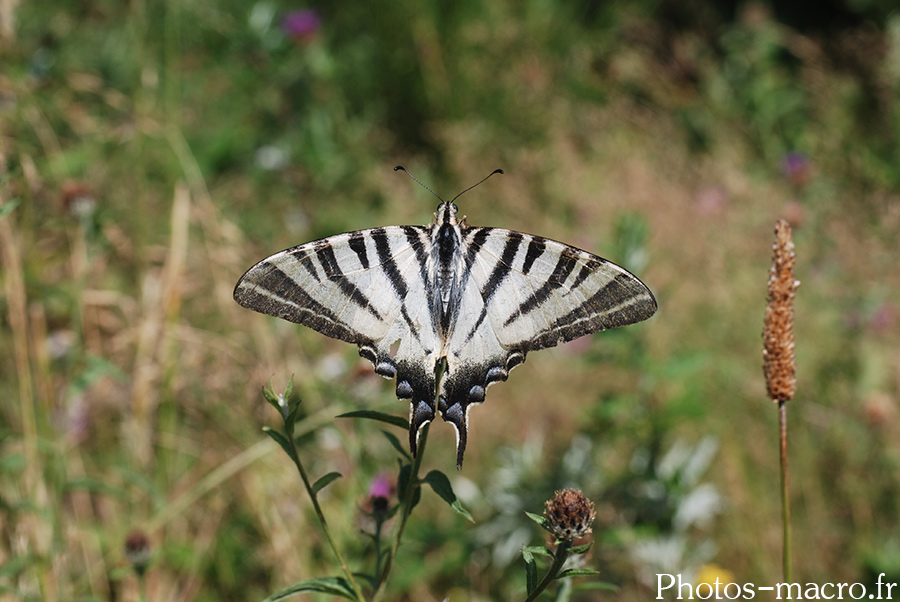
446,309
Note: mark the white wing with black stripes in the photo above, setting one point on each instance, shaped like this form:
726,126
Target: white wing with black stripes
367,287
478,298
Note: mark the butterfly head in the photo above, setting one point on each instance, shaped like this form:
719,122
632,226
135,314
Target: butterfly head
446,213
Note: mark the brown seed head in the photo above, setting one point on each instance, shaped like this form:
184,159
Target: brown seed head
137,550
569,514
78,199
778,336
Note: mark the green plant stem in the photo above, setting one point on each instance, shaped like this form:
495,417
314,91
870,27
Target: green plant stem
321,516
406,510
785,499
142,588
378,551
562,552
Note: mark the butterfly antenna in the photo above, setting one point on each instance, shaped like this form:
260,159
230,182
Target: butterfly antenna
419,182
499,171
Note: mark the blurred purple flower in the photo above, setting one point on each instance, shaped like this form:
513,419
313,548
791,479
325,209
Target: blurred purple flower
378,504
301,25
797,168
883,318
380,487
711,201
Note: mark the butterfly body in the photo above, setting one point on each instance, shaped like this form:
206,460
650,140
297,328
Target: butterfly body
473,299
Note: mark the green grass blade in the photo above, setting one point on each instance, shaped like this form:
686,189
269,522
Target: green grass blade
380,416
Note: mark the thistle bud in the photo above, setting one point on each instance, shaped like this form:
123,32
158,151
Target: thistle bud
380,492
569,514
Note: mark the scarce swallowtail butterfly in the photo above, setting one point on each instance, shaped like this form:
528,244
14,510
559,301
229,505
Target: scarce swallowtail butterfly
473,300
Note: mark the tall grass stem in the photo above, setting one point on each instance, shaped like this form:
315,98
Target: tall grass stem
33,484
785,488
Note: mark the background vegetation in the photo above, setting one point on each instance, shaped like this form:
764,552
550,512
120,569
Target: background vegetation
152,151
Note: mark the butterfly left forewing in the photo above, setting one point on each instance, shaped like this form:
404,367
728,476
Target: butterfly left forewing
367,287
320,285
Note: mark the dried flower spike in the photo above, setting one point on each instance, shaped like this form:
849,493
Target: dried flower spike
569,514
778,336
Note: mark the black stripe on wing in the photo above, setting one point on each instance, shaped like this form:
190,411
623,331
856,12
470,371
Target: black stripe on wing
621,301
536,248
568,259
414,236
500,271
357,243
503,267
388,263
325,255
266,288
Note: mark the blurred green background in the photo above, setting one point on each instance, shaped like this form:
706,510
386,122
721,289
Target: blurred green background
151,151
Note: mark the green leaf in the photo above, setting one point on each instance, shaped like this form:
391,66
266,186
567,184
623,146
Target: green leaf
582,549
289,389
323,482
95,485
273,399
403,484
542,550
290,397
336,586
441,485
13,463
8,207
380,416
370,580
286,404
530,570
596,585
397,445
577,573
538,519
280,440
17,565
270,397
290,419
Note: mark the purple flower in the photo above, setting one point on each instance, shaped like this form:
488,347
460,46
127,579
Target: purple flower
301,25
797,168
378,504
380,487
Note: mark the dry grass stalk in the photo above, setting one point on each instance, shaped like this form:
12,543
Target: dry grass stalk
778,335
154,355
